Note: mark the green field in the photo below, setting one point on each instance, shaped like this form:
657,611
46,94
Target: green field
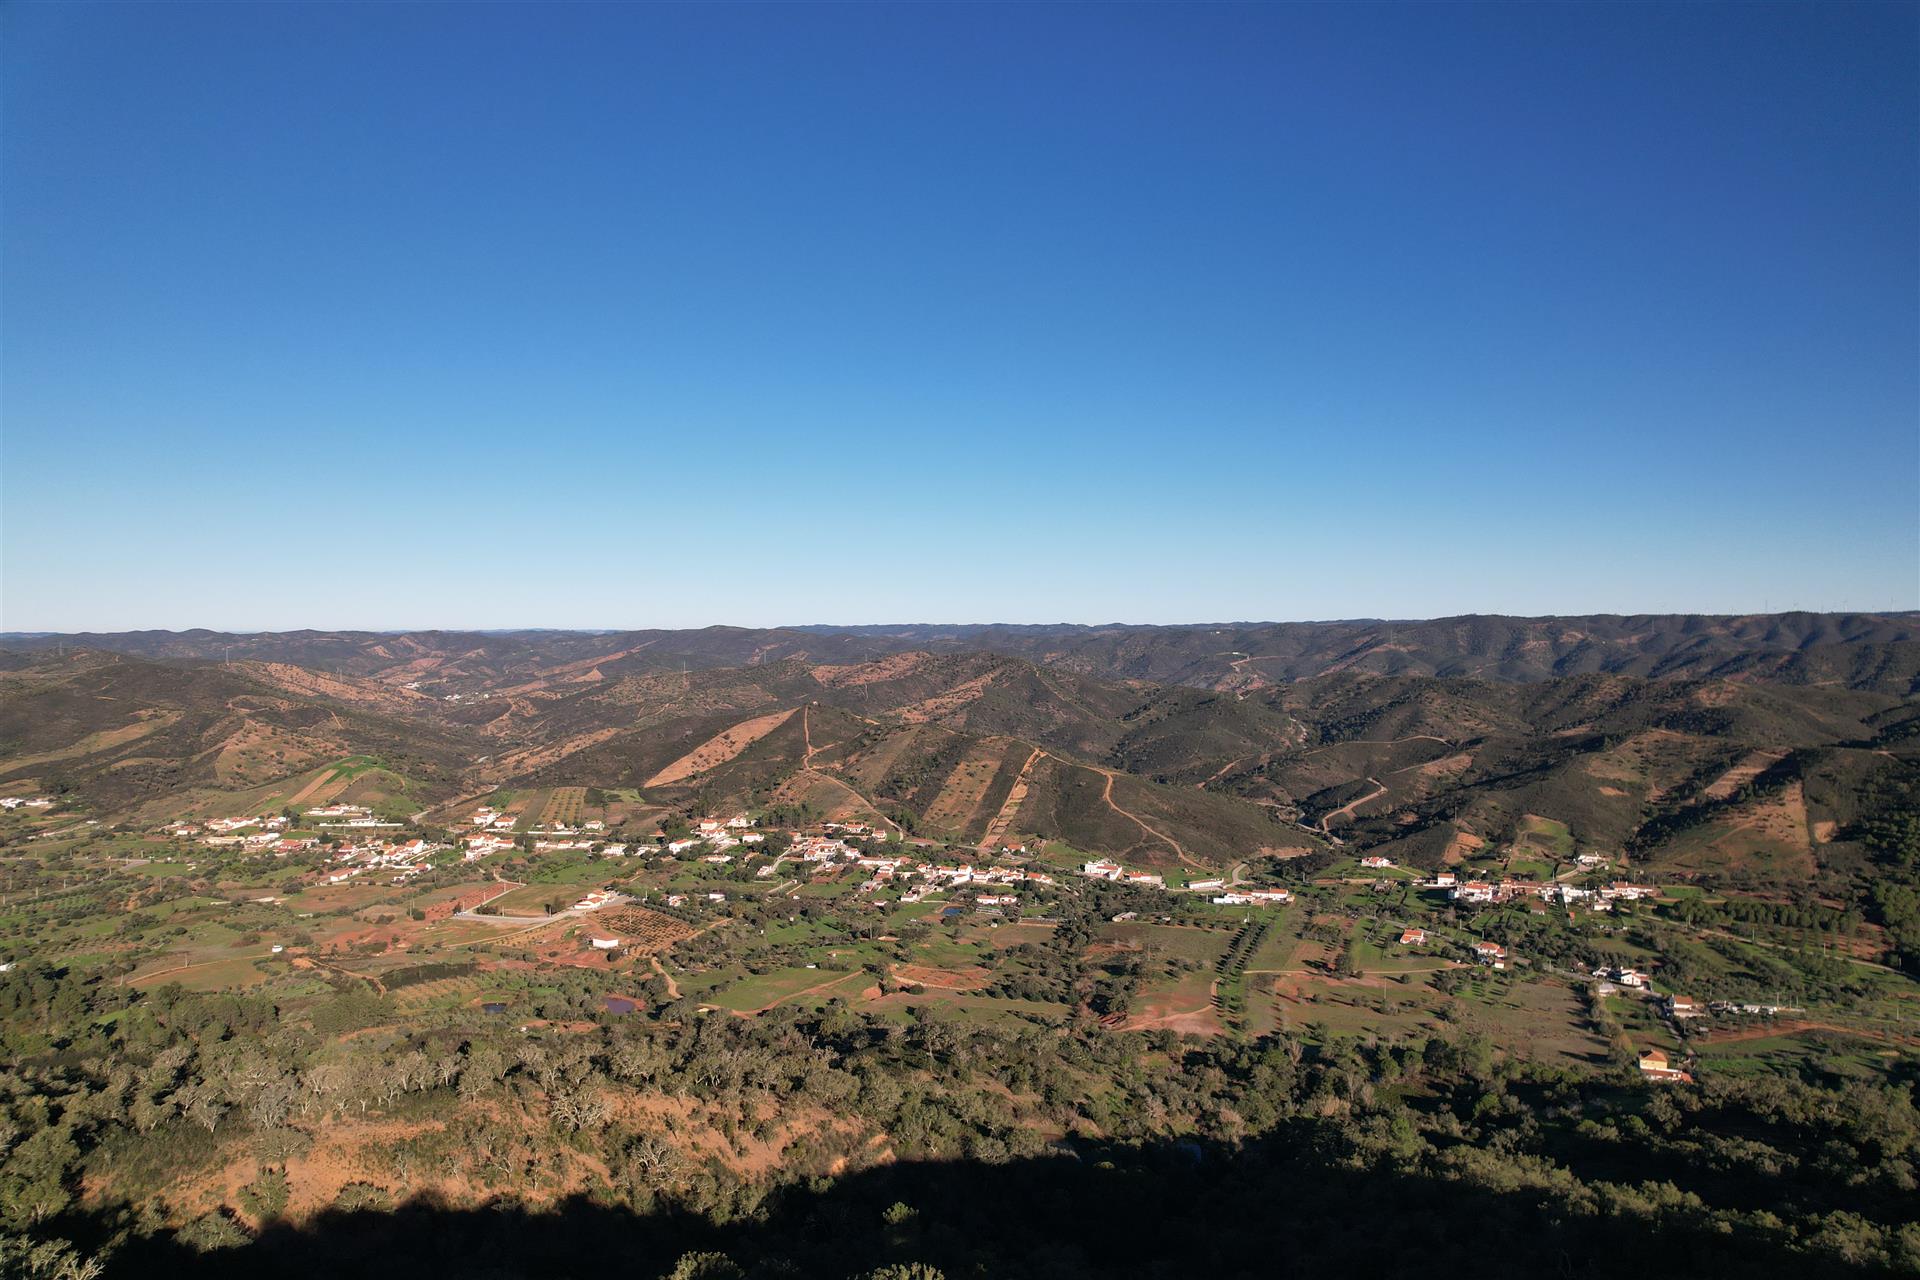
1548,835
1184,942
760,990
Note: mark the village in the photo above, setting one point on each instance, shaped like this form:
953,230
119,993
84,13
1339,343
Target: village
1267,944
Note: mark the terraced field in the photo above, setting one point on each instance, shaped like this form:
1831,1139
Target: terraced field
443,992
642,928
563,807
534,805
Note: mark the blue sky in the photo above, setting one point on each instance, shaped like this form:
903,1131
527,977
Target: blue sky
598,315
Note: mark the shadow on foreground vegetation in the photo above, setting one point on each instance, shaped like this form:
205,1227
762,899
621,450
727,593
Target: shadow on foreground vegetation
1275,1206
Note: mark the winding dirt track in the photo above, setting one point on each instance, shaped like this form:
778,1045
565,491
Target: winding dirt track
1107,795
673,988
806,766
1346,810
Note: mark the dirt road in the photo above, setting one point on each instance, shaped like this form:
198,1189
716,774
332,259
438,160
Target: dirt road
1346,810
673,988
1107,795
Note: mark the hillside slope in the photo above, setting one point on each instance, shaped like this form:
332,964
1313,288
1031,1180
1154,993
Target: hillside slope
1861,650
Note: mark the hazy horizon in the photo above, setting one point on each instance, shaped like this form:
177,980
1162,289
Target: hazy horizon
21,633
1003,621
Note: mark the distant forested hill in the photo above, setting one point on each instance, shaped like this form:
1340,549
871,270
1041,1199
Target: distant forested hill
1858,650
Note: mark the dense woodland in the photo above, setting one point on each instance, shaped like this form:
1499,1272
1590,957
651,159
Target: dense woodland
1028,1153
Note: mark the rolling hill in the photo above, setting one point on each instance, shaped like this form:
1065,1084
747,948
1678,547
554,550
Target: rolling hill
139,737
1859,650
1728,748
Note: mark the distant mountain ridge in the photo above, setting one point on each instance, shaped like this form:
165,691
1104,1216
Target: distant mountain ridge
1762,779
1878,651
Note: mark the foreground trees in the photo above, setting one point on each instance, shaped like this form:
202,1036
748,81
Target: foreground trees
795,1135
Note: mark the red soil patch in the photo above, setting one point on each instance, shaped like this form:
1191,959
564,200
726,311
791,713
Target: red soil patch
967,979
946,703
719,749
1794,1026
891,667
1749,768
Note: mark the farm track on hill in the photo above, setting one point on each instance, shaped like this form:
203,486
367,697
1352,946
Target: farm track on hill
1107,795
806,767
1016,796
1346,810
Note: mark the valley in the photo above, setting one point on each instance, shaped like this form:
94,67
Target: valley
432,900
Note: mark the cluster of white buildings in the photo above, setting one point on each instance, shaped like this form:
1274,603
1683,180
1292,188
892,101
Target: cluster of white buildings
401,861
10,803
914,878
226,826
1679,1007
347,815
1222,895
718,835
932,877
1595,899
480,846
486,818
220,833
1754,1010
1253,898
1120,875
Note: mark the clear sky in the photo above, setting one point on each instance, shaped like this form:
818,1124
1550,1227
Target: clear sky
635,315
